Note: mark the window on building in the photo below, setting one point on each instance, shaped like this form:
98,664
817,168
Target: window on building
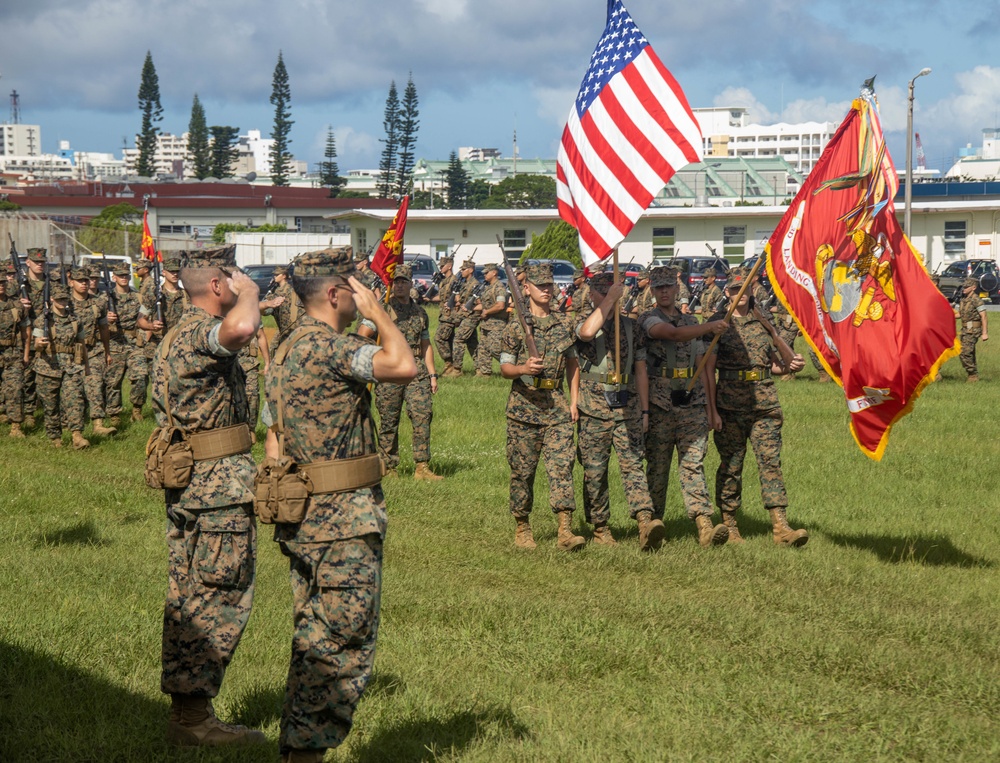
663,242
362,240
514,243
954,239
733,239
441,248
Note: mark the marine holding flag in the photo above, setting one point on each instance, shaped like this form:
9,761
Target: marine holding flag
840,263
628,132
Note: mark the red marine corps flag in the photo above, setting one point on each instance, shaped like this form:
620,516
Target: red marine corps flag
840,263
390,248
628,132
148,248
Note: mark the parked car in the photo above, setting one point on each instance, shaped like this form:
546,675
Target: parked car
562,271
692,267
261,275
985,271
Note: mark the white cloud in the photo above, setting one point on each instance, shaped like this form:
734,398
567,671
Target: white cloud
554,103
448,10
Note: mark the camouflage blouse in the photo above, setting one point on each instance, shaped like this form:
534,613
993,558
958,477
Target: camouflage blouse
12,320
710,299
444,290
66,334
468,286
646,301
174,305
555,344
207,390
493,293
323,383
412,321
128,314
91,314
745,346
592,401
658,358
249,356
969,310
288,312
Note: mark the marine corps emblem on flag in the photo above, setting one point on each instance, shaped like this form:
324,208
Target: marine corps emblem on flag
840,263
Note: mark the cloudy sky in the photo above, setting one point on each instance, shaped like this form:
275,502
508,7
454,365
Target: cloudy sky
484,67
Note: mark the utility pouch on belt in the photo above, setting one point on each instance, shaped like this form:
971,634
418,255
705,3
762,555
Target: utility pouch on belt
169,459
280,491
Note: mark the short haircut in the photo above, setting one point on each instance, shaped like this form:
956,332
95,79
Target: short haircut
307,289
196,280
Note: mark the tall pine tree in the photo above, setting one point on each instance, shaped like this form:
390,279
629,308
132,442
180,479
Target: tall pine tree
281,96
329,172
199,153
457,181
152,112
387,166
224,151
408,126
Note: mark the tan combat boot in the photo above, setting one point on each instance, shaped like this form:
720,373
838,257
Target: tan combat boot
79,441
783,534
15,431
565,539
973,378
603,536
100,429
4,418
423,472
729,520
136,413
303,756
193,724
651,531
824,376
709,534
522,534
56,442
452,371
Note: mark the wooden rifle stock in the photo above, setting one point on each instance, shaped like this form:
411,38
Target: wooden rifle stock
523,316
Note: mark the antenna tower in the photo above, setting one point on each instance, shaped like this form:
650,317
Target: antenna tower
15,108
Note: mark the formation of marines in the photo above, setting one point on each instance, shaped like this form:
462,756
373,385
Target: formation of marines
642,379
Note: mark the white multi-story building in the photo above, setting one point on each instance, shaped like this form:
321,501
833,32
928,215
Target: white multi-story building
38,168
254,154
20,140
726,133
168,159
477,154
979,163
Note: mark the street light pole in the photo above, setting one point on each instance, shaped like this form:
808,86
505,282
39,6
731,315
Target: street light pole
908,194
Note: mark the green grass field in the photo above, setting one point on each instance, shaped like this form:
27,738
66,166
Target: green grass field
878,641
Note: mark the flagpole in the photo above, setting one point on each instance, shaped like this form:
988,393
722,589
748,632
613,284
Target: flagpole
729,314
618,320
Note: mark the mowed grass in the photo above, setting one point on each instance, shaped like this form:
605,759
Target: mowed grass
877,641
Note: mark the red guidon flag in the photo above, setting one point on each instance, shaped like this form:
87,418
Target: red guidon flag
148,247
628,132
390,248
840,263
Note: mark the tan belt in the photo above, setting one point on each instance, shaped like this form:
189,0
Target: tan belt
665,372
343,474
755,374
610,378
219,443
66,348
7,342
973,324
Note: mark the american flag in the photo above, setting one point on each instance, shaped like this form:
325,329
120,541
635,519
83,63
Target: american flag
628,132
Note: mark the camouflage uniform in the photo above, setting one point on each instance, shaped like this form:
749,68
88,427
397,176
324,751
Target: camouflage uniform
249,360
749,411
646,301
683,296
600,427
92,313
335,553
710,299
412,321
684,427
468,321
125,354
288,312
491,328
172,305
13,319
581,307
36,293
786,326
538,420
445,334
970,311
211,533
59,370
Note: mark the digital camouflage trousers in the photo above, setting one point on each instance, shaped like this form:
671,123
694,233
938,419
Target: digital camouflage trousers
686,430
595,438
389,399
763,430
526,443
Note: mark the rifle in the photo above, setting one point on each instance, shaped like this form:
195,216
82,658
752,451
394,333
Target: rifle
567,293
456,288
477,292
46,309
523,316
63,280
112,299
19,274
157,291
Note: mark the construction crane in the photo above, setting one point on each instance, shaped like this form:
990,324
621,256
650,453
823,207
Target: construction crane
921,164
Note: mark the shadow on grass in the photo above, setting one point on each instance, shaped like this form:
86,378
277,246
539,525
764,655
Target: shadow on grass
258,706
919,549
682,528
426,739
80,534
445,467
51,711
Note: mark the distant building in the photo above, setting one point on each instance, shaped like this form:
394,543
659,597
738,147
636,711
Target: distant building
20,140
726,133
979,163
478,154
